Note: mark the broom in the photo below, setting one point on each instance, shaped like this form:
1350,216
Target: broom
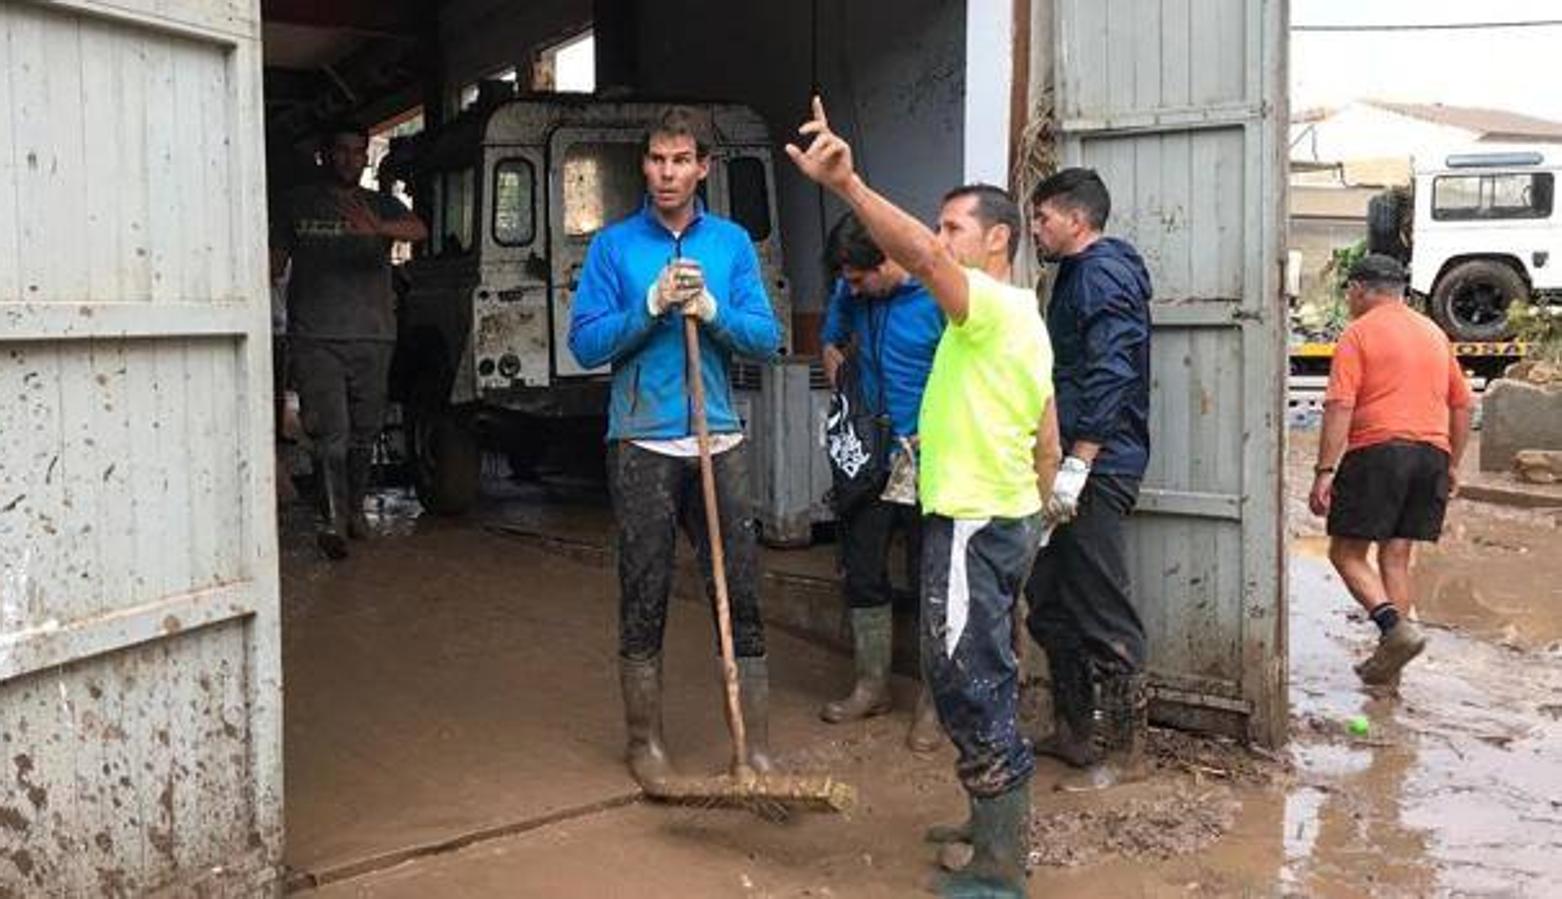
742,786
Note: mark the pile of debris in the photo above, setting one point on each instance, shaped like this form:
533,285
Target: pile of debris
1181,822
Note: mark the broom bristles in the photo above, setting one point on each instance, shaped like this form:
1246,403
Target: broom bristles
817,793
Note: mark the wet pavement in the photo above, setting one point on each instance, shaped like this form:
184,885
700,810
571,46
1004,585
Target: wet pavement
452,728
1457,787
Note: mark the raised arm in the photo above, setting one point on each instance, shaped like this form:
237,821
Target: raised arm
911,244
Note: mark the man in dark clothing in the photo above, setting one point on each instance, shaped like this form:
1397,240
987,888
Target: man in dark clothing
891,325
1080,595
642,277
341,322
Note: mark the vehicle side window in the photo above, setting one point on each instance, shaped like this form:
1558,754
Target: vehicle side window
515,191
455,218
1498,196
602,183
749,196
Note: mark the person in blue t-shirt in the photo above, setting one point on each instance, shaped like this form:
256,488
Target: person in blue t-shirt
890,325
642,276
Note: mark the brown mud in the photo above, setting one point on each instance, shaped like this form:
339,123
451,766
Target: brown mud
453,730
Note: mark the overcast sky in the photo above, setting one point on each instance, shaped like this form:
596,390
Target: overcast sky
1514,69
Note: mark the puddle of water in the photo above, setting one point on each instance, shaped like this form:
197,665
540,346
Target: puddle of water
1457,788
1517,601
1311,546
393,511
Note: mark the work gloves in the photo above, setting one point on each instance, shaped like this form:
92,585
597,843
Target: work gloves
702,306
1063,504
681,284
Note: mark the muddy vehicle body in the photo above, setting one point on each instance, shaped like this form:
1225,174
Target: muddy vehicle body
513,191
1479,230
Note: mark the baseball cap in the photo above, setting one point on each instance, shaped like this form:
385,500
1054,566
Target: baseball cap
1376,268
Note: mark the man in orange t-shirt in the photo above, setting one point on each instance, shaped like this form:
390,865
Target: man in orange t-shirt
1395,422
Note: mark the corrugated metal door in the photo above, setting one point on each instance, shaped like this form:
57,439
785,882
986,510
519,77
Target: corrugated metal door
1180,104
140,683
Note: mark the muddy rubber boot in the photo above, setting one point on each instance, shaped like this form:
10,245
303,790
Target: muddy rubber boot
1389,689
941,834
641,682
872,630
1403,642
754,699
926,734
332,534
1125,710
359,462
1073,737
1000,847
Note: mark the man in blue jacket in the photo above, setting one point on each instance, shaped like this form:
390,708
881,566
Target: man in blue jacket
1080,594
891,326
641,277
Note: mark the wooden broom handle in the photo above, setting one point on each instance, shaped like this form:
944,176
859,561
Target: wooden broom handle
718,556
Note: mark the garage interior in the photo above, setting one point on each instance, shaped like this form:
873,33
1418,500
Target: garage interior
453,680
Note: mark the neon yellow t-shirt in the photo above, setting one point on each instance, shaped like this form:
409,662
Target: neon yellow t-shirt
991,379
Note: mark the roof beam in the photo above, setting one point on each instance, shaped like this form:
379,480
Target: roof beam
373,18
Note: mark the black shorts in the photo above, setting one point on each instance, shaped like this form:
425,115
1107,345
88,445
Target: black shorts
1390,490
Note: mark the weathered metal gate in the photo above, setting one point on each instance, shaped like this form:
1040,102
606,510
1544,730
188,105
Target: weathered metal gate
1180,104
140,682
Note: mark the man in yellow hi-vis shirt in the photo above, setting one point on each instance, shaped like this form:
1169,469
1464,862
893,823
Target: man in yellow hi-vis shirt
988,438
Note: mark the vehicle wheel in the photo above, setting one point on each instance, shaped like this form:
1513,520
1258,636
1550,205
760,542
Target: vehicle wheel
1387,225
1471,300
446,460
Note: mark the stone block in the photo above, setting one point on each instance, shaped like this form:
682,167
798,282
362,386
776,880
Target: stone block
1518,416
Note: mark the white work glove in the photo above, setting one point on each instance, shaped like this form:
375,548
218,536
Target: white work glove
1063,504
702,307
680,280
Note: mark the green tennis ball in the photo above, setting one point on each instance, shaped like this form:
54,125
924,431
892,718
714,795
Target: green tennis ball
1358,725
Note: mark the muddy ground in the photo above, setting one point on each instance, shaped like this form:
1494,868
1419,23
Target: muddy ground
1497,572
453,730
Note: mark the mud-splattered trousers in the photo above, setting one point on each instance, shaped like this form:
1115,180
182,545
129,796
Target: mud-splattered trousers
341,392
1080,594
653,496
972,574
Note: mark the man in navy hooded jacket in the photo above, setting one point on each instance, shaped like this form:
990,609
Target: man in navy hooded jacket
642,276
1080,594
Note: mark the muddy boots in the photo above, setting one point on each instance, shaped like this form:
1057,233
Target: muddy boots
1073,712
926,734
1403,642
945,834
332,534
754,698
1000,848
1125,725
359,464
641,681
872,630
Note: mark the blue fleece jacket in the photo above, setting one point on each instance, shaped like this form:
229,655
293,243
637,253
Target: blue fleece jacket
609,322
896,339
1099,322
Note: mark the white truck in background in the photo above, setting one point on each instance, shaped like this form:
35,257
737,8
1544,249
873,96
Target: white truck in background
1479,230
